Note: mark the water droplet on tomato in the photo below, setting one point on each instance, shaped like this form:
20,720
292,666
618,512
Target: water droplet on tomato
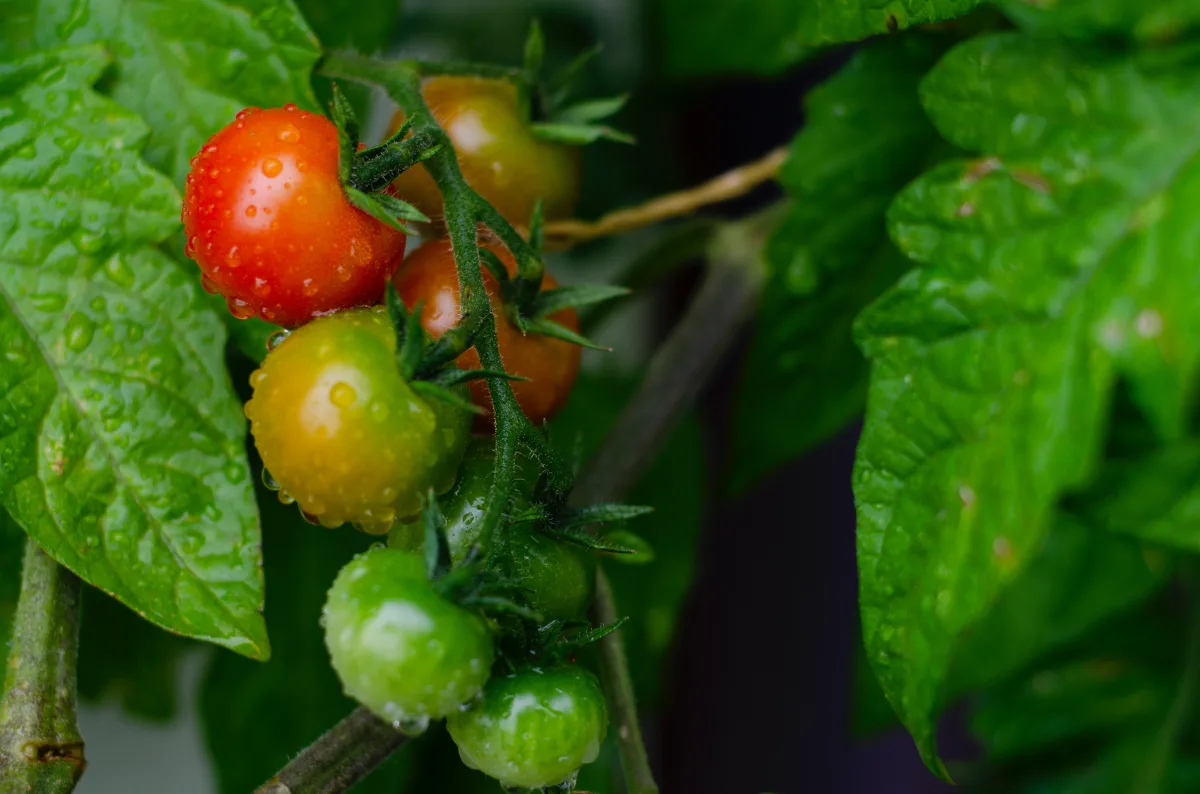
379,411
269,481
261,288
240,308
209,285
310,288
342,394
412,725
251,211
271,167
289,134
273,341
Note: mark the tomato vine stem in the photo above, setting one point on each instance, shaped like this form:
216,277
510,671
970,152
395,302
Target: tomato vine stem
40,746
729,185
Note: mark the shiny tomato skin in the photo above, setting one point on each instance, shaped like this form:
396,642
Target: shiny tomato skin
268,223
340,430
429,276
497,151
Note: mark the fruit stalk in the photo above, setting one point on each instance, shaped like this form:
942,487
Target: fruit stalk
41,750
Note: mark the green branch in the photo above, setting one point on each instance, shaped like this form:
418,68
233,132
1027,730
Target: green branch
41,751
343,756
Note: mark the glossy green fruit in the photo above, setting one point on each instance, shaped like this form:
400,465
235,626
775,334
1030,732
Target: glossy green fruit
340,430
400,648
534,728
558,576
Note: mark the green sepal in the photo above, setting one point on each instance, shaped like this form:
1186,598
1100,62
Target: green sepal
578,134
436,391
545,327
555,300
375,168
437,547
374,206
602,513
558,89
537,228
587,540
347,129
590,111
493,604
410,341
452,376
535,53
642,551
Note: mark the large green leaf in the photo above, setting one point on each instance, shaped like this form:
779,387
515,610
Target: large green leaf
866,136
121,442
652,595
718,36
1046,268
258,716
1151,21
186,66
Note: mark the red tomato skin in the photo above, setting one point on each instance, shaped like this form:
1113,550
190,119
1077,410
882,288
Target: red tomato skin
429,276
269,225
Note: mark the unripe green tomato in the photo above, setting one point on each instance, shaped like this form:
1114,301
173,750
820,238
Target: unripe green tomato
534,728
401,649
342,433
559,576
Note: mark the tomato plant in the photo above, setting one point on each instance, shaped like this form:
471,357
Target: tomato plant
953,297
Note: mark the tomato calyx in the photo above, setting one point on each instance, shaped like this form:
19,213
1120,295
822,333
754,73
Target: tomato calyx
528,306
367,173
546,102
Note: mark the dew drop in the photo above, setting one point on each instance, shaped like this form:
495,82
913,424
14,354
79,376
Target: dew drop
240,308
289,134
232,259
269,481
257,378
261,288
271,167
288,499
79,332
273,341
342,394
379,411
414,725
209,285
251,211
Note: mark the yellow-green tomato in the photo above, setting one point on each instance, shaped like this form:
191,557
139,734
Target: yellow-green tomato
400,648
341,431
534,728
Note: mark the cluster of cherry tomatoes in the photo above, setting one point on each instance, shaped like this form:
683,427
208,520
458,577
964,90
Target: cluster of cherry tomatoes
344,435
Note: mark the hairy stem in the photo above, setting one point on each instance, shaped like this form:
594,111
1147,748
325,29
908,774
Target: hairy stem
41,751
729,185
344,755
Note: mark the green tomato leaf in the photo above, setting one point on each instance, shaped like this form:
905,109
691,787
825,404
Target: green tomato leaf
1146,21
186,68
652,595
866,136
121,441
1046,268
721,36
256,717
577,134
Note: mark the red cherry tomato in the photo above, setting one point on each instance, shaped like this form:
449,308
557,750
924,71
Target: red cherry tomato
429,276
498,153
270,226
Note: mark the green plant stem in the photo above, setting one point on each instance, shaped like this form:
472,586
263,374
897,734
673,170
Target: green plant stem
618,689
343,756
1158,759
41,751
